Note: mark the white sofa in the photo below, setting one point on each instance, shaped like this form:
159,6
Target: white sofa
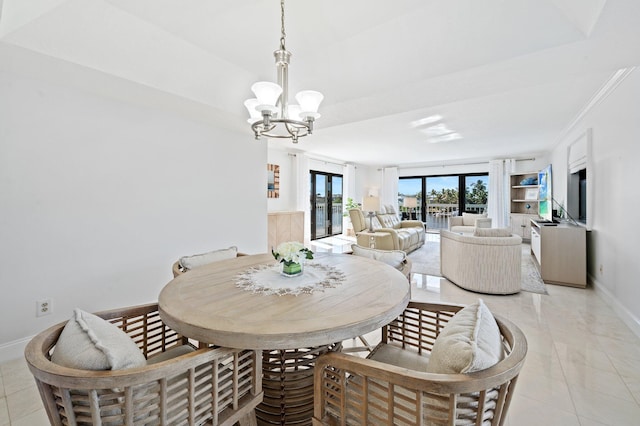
392,233
488,261
468,222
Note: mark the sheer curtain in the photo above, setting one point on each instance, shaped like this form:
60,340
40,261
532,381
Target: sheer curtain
302,192
349,183
390,187
498,203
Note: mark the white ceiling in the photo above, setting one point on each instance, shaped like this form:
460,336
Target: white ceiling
508,75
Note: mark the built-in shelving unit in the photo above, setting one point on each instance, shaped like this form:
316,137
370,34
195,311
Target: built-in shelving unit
524,203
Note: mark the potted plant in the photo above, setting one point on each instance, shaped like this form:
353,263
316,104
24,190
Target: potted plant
346,222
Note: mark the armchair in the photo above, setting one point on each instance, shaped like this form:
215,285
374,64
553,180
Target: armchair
468,222
396,383
396,258
487,261
172,381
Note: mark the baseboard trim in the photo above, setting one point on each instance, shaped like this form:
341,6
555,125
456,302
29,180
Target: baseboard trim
13,350
625,315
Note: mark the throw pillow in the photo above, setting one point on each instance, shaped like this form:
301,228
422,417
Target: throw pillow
492,232
469,342
197,260
395,258
89,342
469,219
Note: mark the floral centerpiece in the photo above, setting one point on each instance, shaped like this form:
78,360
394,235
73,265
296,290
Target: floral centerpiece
291,255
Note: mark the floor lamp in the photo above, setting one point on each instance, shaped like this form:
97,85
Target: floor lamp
371,205
410,203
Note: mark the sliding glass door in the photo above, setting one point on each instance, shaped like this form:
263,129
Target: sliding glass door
442,200
444,196
326,204
476,193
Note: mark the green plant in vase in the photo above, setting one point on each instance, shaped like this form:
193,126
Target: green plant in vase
291,256
350,204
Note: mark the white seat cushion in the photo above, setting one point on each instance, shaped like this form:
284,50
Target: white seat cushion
395,355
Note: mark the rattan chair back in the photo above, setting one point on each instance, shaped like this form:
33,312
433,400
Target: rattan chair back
178,269
209,385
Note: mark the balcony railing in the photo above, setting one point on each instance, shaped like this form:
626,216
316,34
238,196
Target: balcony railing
321,218
438,214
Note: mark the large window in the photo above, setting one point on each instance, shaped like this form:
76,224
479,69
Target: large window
439,197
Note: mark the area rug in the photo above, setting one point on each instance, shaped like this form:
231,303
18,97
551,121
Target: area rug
426,260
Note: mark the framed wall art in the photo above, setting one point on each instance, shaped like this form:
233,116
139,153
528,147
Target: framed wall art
531,194
273,181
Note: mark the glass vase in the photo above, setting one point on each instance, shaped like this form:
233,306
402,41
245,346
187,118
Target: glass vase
291,269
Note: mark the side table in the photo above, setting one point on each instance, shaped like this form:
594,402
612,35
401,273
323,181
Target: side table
379,240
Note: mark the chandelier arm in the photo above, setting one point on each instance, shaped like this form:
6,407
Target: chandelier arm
293,131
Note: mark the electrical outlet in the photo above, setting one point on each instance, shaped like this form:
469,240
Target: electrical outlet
44,307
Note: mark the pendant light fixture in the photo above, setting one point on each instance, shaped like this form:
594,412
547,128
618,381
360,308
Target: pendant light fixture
271,115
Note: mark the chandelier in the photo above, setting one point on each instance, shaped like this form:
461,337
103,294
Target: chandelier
271,115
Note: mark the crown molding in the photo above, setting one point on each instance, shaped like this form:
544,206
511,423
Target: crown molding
600,95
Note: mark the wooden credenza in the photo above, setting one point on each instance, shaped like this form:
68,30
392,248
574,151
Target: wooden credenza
283,227
560,251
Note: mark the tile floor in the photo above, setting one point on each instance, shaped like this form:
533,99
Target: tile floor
582,367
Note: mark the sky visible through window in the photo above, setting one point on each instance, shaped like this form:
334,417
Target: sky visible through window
321,188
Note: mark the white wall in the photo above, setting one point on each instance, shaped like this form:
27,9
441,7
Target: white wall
613,243
532,163
287,199
99,198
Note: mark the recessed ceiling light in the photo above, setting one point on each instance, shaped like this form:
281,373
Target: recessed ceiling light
427,120
437,130
445,138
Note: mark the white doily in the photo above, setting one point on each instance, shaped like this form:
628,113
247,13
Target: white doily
266,279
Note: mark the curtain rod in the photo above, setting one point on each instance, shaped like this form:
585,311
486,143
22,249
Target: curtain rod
320,160
463,164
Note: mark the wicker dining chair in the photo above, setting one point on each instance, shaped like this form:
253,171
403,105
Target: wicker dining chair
351,390
206,385
178,268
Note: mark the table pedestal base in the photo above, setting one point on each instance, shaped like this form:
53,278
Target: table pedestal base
287,382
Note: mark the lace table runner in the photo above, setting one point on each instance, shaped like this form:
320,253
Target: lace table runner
266,279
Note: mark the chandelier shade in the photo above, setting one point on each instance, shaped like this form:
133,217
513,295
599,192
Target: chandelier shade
270,113
252,107
266,92
309,101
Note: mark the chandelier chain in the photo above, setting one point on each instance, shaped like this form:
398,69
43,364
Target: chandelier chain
282,33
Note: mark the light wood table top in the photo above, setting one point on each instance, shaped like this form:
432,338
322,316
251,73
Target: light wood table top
206,304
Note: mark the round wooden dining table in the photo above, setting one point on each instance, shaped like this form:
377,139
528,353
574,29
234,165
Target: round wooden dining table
212,305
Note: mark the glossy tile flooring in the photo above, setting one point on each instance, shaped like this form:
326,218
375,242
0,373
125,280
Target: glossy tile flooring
582,367
583,363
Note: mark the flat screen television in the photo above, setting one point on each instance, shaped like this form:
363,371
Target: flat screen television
545,194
